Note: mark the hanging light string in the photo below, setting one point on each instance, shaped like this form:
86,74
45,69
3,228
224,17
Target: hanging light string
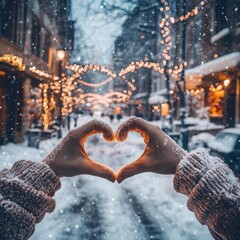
79,70
195,11
107,98
42,73
165,25
45,114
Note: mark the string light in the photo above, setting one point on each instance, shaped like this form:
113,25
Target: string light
41,73
80,70
45,114
192,13
106,98
13,60
131,68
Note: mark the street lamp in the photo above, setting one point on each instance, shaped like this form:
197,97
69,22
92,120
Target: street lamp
226,82
61,55
183,92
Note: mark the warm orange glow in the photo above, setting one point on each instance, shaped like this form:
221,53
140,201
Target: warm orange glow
164,109
13,60
61,55
226,82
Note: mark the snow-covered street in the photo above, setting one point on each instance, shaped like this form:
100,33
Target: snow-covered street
142,207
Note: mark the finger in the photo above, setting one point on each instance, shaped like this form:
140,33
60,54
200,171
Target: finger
93,127
99,170
132,124
130,170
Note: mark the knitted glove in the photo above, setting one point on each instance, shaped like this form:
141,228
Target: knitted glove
26,192
213,191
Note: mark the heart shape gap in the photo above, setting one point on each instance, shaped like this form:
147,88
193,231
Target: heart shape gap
115,154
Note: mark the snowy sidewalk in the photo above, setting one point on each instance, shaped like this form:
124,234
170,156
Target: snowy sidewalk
142,207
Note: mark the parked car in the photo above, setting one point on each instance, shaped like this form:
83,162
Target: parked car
226,145
200,140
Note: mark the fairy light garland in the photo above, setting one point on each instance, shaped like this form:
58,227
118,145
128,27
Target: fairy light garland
45,113
15,61
134,66
42,73
165,30
195,11
79,70
106,98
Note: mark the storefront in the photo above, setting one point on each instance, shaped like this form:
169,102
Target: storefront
216,83
25,100
11,103
159,106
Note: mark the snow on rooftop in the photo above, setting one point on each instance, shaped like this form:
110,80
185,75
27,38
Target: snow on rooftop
220,35
232,130
217,65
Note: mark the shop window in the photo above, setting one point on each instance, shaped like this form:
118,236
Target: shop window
221,15
215,101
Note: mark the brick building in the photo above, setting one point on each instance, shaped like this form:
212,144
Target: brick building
31,32
212,43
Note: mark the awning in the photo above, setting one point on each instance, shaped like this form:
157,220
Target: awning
157,99
140,95
223,63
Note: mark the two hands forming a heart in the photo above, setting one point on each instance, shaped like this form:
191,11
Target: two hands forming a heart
161,154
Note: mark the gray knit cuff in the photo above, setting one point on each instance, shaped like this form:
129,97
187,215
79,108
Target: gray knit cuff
16,223
217,190
213,193
30,185
191,169
37,175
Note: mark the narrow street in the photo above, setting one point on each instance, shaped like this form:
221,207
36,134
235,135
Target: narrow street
143,207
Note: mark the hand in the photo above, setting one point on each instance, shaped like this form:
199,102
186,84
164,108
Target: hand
161,154
69,158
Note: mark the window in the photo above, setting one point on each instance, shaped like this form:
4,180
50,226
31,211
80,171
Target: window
221,15
7,19
13,21
197,39
36,35
46,47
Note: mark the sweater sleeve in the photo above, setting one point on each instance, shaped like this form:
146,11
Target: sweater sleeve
26,194
213,193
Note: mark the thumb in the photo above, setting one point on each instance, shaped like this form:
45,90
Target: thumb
99,170
131,169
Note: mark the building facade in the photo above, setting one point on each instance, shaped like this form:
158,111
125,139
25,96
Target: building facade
212,43
31,32
137,43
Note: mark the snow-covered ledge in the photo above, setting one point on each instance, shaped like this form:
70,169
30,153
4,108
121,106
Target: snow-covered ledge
217,65
220,35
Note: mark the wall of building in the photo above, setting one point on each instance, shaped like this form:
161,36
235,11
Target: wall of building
31,32
211,36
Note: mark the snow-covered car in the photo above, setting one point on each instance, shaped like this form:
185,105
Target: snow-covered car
200,140
226,145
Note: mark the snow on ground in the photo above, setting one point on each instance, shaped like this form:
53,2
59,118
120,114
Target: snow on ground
142,207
